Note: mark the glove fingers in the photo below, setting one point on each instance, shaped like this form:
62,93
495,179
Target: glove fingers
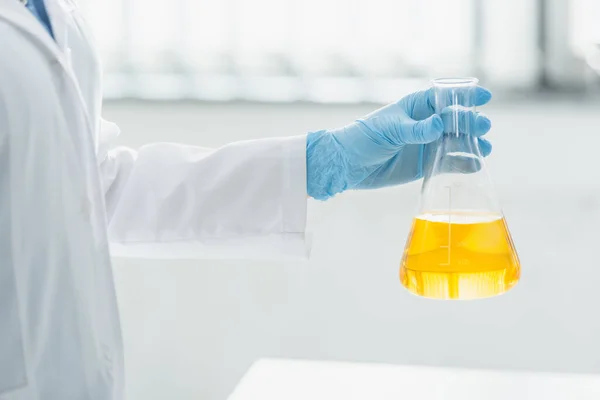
468,97
422,132
467,163
476,123
485,147
462,164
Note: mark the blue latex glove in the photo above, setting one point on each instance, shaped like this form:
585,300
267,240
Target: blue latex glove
386,147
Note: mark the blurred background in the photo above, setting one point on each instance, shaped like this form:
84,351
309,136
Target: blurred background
340,51
209,72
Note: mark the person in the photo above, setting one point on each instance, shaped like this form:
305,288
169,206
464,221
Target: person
69,199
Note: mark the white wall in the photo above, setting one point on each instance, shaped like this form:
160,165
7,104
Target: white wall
193,328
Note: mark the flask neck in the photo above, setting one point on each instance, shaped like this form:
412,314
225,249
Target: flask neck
455,179
455,104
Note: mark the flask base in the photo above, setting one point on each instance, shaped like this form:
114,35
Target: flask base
463,255
459,285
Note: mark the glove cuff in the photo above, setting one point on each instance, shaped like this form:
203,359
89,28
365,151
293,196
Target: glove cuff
326,165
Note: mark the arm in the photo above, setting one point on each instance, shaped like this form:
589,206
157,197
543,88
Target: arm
248,198
243,200
34,229
13,373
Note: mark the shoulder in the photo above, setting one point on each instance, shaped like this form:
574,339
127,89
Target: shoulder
26,71
27,78
29,98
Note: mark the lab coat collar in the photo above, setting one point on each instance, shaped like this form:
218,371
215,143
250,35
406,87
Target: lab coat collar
58,12
13,12
17,15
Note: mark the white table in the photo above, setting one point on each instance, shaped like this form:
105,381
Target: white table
272,379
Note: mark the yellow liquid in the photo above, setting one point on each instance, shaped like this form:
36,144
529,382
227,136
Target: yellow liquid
459,256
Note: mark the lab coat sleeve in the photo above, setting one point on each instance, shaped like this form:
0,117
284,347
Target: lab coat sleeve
243,200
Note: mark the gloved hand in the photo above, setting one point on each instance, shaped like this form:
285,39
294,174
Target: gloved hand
386,147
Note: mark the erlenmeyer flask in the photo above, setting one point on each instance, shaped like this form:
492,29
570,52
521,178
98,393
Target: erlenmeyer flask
459,246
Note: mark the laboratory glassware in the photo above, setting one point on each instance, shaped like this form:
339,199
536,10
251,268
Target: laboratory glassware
459,246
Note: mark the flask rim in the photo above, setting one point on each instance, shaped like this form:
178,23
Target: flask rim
455,82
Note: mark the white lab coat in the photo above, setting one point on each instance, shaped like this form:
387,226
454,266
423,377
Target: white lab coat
62,188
